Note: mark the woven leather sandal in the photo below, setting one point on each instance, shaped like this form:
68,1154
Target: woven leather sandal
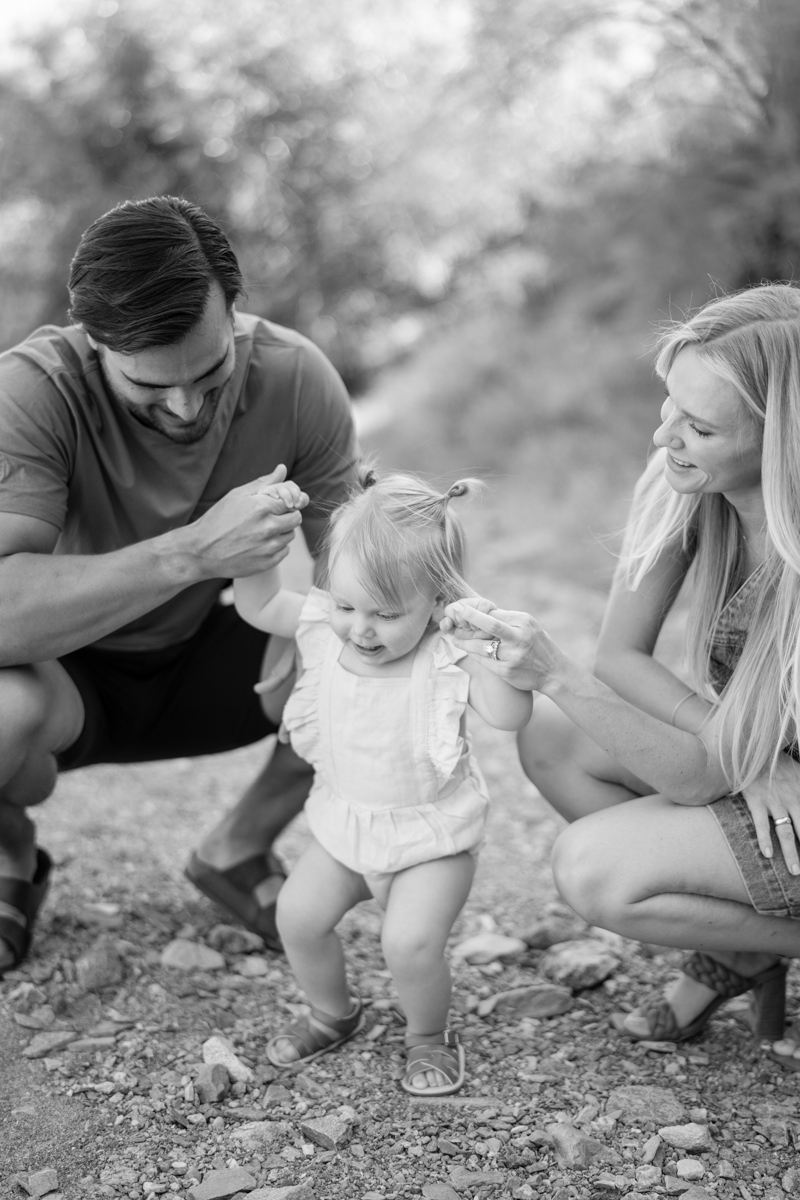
768,1010
788,1058
440,1052
315,1034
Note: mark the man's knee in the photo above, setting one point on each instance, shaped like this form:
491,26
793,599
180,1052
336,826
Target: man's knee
24,709
586,873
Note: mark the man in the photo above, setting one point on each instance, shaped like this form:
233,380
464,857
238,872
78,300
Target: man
134,446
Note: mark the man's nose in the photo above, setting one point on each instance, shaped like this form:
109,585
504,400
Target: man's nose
184,403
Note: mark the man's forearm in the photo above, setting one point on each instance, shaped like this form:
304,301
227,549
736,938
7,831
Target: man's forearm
51,605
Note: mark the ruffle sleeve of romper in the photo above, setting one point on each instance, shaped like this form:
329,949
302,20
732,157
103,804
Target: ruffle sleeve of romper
313,638
448,690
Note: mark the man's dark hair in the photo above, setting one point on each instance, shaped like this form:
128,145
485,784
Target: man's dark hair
142,273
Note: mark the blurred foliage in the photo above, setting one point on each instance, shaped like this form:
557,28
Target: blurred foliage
384,168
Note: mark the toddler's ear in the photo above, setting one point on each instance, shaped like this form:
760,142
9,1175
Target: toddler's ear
439,606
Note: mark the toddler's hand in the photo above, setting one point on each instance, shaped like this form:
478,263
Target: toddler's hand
454,619
286,496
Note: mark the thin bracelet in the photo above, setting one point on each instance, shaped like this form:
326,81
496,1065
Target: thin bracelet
683,700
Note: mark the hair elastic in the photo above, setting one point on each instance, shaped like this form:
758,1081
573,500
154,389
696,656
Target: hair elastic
457,489
682,700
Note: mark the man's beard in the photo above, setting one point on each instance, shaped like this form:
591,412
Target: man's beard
151,416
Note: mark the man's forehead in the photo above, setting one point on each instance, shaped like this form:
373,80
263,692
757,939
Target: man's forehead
200,354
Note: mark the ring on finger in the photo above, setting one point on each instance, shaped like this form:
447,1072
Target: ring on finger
492,647
782,821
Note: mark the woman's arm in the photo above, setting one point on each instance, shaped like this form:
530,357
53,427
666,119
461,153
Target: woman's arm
261,601
500,704
684,766
628,636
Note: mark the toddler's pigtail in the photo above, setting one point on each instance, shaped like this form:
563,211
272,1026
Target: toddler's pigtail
460,488
366,475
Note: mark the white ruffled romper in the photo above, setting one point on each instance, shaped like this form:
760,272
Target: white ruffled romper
395,782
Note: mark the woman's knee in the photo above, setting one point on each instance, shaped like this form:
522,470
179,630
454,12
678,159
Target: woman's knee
587,873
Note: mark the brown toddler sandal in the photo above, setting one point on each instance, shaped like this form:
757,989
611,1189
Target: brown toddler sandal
440,1052
315,1034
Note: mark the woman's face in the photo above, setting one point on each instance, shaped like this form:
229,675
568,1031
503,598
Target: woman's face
712,442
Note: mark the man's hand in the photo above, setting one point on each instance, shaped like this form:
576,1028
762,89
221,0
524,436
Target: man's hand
249,530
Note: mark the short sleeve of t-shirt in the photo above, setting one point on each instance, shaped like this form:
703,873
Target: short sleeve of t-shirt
37,432
326,450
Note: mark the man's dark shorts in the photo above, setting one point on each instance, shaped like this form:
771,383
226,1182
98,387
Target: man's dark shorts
190,699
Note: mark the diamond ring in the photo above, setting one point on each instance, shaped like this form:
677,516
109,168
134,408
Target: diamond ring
492,647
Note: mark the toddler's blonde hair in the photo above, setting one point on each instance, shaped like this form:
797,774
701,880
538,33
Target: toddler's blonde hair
399,528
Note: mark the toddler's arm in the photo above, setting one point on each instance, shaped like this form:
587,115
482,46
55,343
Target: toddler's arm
260,600
500,704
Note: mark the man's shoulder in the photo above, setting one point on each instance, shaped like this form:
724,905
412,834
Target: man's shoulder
51,349
277,349
289,369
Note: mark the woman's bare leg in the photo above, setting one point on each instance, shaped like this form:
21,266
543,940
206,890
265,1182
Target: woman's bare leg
569,769
662,872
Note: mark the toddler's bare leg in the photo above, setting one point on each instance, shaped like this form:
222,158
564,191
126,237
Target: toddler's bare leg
315,897
423,904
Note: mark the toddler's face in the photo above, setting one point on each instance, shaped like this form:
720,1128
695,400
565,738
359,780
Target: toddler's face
375,632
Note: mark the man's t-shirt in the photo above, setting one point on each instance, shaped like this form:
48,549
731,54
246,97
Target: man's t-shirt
71,455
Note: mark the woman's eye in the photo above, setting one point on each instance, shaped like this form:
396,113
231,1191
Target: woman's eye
700,432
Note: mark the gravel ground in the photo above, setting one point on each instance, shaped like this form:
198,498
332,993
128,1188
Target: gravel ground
119,1117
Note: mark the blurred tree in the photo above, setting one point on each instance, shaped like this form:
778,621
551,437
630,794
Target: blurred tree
378,167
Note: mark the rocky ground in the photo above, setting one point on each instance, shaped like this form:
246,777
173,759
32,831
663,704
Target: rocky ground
134,979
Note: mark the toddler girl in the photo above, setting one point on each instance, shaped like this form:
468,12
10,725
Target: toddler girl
398,804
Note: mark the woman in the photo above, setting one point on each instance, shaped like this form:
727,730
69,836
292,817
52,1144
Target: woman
703,854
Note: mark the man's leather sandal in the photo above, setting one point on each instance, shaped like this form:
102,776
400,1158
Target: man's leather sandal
234,890
20,902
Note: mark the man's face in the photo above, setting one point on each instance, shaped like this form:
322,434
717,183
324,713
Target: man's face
176,389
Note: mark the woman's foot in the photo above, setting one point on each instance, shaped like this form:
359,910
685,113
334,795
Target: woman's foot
309,1036
435,1064
688,1002
787,1050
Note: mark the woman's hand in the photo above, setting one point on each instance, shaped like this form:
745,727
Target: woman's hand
526,656
772,799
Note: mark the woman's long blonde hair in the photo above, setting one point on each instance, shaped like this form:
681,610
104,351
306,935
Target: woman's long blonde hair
752,340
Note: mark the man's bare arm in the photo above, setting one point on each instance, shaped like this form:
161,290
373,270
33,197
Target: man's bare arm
53,604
